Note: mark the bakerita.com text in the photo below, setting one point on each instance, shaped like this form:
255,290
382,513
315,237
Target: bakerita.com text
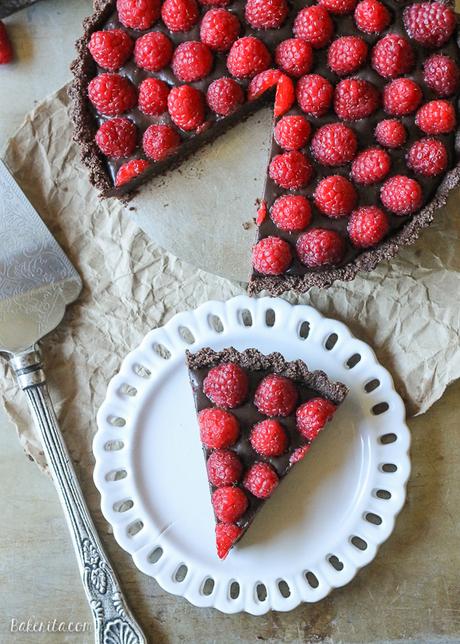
33,625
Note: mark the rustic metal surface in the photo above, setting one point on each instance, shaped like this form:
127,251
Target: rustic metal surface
7,7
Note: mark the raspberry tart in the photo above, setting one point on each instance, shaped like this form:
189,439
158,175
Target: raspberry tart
257,417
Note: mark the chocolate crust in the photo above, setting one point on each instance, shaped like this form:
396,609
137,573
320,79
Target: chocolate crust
254,360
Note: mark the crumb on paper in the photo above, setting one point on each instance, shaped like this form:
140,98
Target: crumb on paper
247,224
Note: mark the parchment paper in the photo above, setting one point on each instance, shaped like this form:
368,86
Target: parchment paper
407,310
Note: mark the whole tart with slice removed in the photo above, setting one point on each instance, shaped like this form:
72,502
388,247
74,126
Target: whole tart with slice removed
258,416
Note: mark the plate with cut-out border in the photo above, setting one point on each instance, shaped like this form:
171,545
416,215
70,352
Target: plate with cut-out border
323,524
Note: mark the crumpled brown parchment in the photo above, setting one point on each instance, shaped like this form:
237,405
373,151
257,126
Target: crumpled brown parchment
407,310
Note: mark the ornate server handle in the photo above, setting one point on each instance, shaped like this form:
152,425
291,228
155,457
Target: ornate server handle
113,621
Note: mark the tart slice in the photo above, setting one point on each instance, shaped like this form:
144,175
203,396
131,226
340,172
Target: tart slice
257,417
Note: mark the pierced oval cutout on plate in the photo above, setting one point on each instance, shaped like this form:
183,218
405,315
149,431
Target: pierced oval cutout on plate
389,468
359,543
116,475
245,317
113,446
162,352
186,335
155,555
181,573
304,330
284,589
142,371
134,528
335,563
207,587
311,579
270,317
234,590
385,495
353,360
116,421
123,506
371,385
261,592
387,439
128,390
215,323
373,518
380,408
331,341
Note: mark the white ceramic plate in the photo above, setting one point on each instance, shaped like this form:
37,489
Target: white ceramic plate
325,521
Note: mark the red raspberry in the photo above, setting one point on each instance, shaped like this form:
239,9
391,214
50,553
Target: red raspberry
391,133
227,534
153,51
226,385
117,137
291,170
320,247
229,503
186,106
355,99
266,14
401,195
160,141
6,50
110,49
262,82
224,96
334,144
430,23
339,7
130,170
285,95
347,54
371,166
313,415
291,213
299,454
261,213
268,438
153,96
442,75
180,15
224,468
219,29
294,56
393,56
248,57
276,395
314,94
292,132
367,226
192,61
112,94
261,480
428,157
218,428
401,97
271,256
138,14
314,24
436,117
372,17
335,196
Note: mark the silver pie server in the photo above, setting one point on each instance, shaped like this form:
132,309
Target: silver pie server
37,281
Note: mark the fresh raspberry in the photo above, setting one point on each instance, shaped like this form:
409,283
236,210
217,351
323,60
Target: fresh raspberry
226,385
347,54
372,17
138,14
261,480
367,226
224,468
110,49
436,117
112,94
314,94
262,82
117,137
218,428
391,133
248,57
219,29
271,256
314,24
6,50
299,454
153,96
430,23
335,196
401,97
355,99
268,438
338,7
428,157
266,14
284,96
401,195
294,56
393,56
153,51
276,395
224,96
180,15
291,213
291,170
229,503
261,212
320,247
371,166
214,3
186,106
192,61
227,534
160,141
442,75
130,170
313,415
334,144
292,132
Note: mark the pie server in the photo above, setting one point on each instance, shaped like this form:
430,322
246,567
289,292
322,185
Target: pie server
37,281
